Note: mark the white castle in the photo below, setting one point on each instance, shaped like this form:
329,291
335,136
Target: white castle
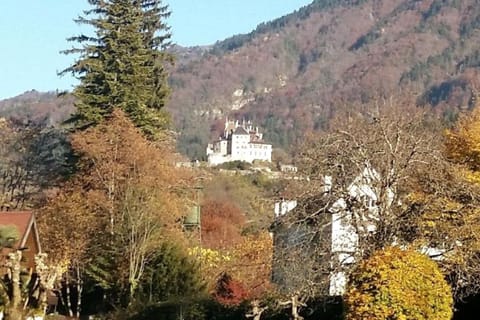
240,142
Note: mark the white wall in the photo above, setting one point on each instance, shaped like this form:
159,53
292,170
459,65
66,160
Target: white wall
216,159
241,150
284,207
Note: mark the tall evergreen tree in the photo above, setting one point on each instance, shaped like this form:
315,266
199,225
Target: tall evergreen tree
155,14
123,64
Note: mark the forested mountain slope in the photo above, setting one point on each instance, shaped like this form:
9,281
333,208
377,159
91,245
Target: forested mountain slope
38,108
289,75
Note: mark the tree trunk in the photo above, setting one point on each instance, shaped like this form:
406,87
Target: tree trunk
296,304
68,295
47,278
79,292
256,311
12,311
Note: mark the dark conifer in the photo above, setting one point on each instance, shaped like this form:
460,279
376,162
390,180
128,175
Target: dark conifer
123,64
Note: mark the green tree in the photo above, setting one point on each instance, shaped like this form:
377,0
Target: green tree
398,284
171,274
123,64
155,14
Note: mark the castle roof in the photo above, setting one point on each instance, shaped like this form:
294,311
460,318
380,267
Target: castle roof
241,131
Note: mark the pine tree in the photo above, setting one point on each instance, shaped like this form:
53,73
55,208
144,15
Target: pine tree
123,64
155,14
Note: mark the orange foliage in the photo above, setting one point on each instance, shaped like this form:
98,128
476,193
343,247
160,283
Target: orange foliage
222,224
66,226
120,176
252,263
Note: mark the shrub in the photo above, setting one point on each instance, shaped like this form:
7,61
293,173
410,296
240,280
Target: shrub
228,291
170,274
398,284
235,165
222,223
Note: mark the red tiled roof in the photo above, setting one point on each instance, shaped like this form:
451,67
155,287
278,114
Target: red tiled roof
22,220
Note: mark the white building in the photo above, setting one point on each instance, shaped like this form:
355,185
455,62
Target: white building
343,232
346,225
284,206
240,142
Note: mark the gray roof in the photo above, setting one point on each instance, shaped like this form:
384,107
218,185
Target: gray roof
241,131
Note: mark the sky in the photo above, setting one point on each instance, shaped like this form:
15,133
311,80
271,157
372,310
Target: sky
33,32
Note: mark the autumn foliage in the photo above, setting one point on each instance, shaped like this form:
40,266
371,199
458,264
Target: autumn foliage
116,164
222,223
445,199
248,263
252,262
398,284
126,199
463,142
229,291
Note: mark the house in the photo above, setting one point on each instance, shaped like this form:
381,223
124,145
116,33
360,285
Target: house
284,206
301,247
28,240
239,142
323,234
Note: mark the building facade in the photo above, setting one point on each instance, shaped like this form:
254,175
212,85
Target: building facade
328,243
239,142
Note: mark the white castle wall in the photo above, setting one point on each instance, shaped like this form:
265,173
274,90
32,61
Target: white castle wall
238,146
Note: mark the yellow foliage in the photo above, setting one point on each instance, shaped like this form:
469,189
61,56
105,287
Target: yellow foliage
398,284
463,143
252,262
212,262
208,257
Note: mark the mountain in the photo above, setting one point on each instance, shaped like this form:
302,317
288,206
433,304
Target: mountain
289,75
41,108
